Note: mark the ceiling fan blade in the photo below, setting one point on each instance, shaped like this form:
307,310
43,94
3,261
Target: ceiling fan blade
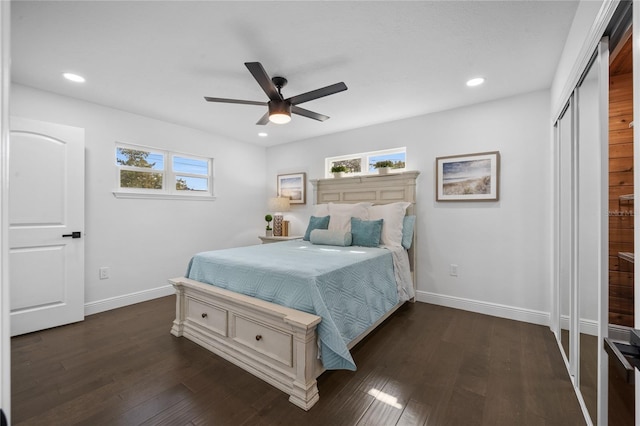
264,119
309,114
318,93
261,76
233,101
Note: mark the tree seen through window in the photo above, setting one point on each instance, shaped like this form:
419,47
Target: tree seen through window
138,179
162,171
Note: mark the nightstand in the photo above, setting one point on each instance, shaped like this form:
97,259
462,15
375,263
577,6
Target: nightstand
267,240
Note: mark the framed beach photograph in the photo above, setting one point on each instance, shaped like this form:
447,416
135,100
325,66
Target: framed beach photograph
293,186
470,177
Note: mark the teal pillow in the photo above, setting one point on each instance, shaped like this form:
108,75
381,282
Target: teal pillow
366,233
407,231
316,223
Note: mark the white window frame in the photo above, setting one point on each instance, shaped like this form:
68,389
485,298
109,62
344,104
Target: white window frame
364,161
168,190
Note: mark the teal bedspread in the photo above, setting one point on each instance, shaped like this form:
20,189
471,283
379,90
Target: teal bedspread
349,287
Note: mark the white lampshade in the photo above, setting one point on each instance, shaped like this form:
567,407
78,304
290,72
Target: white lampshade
279,204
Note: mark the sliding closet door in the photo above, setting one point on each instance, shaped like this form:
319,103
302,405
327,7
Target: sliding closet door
582,233
592,231
564,173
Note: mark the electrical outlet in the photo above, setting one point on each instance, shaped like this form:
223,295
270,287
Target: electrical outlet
453,270
104,273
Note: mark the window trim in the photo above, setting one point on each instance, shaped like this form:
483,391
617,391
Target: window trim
163,196
364,161
168,191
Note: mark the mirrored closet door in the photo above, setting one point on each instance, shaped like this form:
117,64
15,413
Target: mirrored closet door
581,231
592,125
564,242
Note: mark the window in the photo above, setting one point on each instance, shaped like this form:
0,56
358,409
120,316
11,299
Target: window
363,163
150,172
140,169
191,174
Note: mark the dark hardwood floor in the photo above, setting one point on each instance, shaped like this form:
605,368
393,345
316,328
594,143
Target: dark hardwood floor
426,365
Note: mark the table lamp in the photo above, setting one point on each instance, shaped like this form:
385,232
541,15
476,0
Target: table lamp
278,205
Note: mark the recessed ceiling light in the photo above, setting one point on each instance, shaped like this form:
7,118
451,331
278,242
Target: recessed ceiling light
73,77
263,134
475,82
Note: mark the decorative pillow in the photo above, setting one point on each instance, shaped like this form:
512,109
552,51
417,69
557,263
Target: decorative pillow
341,215
330,238
316,223
321,210
408,224
340,222
366,233
393,215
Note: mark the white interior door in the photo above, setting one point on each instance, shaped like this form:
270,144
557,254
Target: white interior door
46,225
5,341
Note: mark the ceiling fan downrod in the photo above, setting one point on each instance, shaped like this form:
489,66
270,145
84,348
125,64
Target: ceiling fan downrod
279,82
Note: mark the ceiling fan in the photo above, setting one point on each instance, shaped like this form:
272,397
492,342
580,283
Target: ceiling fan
280,109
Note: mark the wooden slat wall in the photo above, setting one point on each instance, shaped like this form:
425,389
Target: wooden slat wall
620,211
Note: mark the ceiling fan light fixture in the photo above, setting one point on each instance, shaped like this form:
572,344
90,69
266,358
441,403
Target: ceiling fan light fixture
280,118
279,112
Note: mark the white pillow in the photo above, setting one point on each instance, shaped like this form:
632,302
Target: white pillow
331,238
393,217
341,215
321,210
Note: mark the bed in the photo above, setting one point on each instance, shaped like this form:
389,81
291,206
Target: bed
283,345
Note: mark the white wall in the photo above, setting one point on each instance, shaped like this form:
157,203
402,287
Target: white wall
577,47
501,248
146,242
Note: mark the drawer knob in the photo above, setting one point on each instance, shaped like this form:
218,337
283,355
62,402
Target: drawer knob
204,315
258,337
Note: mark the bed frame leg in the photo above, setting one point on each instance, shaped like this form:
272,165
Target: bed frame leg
304,391
178,324
304,396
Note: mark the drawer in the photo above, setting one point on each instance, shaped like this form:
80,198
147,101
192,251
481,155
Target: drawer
211,317
268,341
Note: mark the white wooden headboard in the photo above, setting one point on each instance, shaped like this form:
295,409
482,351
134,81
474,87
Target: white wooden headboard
377,189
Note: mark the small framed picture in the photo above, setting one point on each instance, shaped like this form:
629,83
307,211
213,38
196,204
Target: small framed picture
469,177
292,186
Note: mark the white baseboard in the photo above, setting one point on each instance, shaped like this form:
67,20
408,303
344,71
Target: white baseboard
91,308
493,309
587,326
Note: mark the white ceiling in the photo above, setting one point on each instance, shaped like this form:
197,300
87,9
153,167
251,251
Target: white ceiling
398,59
